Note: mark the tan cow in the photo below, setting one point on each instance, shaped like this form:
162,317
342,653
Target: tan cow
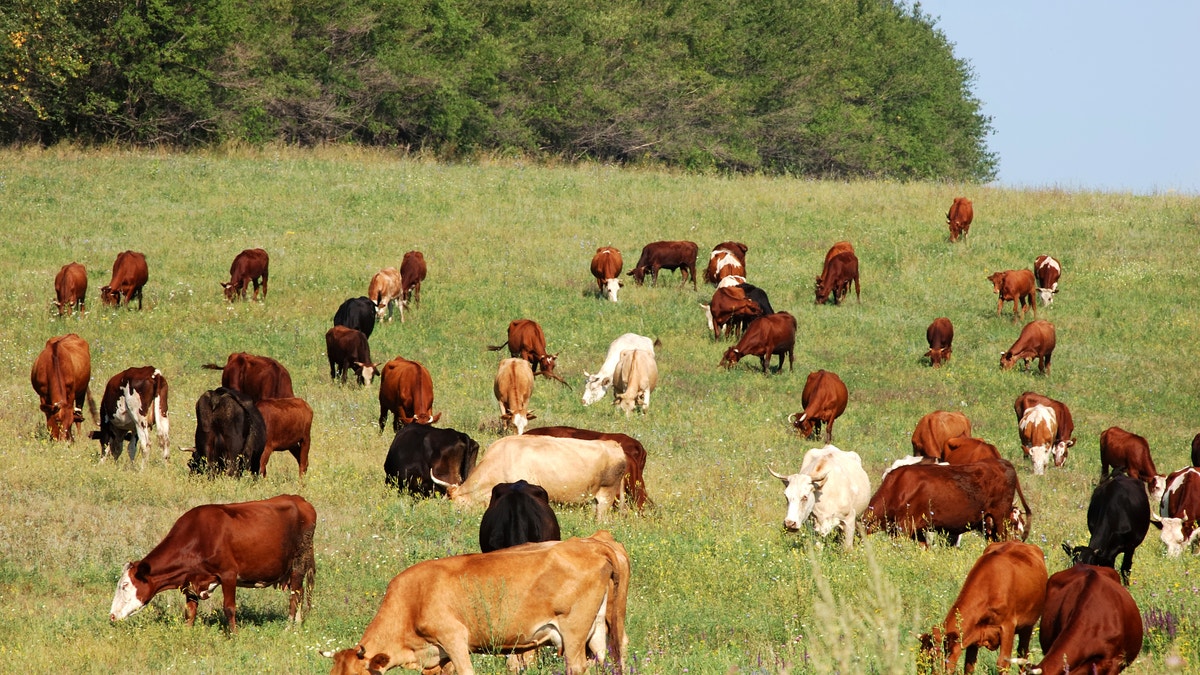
636,376
933,430
513,387
384,293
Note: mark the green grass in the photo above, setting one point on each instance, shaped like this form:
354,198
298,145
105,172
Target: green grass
718,587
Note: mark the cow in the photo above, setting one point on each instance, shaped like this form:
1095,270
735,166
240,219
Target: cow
731,280
70,288
940,336
1017,286
412,273
60,377
1090,623
1046,271
1196,450
230,433
1130,453
420,450
635,457
357,313
384,293
258,377
512,387
728,254
1035,341
824,400
959,218
635,377
909,461
1118,517
758,295
518,513
949,499
572,594
966,450
1182,496
728,309
348,349
134,400
527,341
1001,600
250,266
831,487
129,275
248,544
1064,433
835,279
406,391
935,429
571,470
767,336
668,255
606,267
288,423
1039,429
596,384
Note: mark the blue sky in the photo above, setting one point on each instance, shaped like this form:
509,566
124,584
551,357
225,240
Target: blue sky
1095,95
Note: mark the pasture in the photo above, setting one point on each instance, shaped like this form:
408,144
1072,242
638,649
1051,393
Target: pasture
718,586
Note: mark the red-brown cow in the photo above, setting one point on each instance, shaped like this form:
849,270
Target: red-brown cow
1014,285
940,336
384,293
406,391
767,336
668,255
249,266
1047,270
725,254
635,457
967,450
412,273
248,544
1035,341
835,279
606,267
134,400
959,217
70,287
258,377
1090,624
934,431
1001,599
824,400
1130,453
348,349
1181,498
1064,432
527,341
730,310
289,428
129,275
60,376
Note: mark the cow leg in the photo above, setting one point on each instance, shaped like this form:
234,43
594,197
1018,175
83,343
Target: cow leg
848,532
383,413
229,599
264,284
261,469
970,655
189,610
1126,566
1023,638
455,645
829,432
301,454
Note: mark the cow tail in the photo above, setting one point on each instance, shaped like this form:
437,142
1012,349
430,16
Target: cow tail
212,366
498,347
91,403
618,598
1028,512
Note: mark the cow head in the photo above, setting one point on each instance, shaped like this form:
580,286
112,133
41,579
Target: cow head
518,421
638,274
731,357
800,492
109,297
133,590
231,290
1156,487
611,287
1007,360
1061,450
1047,295
1018,523
365,372
1040,456
1177,533
804,424
595,387
59,418
939,651
938,356
822,293
997,278
707,314
354,661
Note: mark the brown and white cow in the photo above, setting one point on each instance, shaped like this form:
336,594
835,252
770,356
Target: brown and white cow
256,376
967,450
247,544
730,310
60,376
635,457
1047,270
289,429
1064,425
767,336
725,260
668,255
1039,429
412,273
527,341
824,399
606,268
633,380
940,336
596,384
1090,624
129,275
1128,452
250,266
70,288
1017,286
134,400
933,431
835,279
1036,341
731,280
959,218
406,391
384,293
513,387
1180,511
348,349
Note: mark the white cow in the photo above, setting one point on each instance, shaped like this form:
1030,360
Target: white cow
832,487
598,383
635,377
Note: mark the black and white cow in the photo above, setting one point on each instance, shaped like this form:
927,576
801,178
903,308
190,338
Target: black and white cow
135,400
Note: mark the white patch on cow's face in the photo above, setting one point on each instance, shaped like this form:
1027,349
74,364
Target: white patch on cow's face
800,500
125,601
1060,452
1040,455
1172,535
1047,295
368,373
611,287
595,389
520,422
1017,522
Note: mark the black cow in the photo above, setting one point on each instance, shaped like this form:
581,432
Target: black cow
1196,450
419,449
519,513
759,296
1118,517
230,433
357,313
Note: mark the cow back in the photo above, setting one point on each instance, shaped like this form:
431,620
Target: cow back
1125,451
607,263
1090,621
357,313
518,513
70,286
412,271
635,456
934,429
571,470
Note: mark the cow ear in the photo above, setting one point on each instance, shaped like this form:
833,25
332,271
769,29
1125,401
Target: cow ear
141,571
1156,523
531,416
379,662
606,381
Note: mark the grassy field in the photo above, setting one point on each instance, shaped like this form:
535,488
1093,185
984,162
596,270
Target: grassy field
718,586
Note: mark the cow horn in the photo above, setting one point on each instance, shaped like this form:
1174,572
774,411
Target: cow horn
792,419
778,475
439,482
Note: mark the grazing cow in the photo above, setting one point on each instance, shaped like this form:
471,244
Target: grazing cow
758,295
258,377
1001,599
730,309
1046,271
729,253
1064,432
1035,341
831,487
406,391
835,279
419,451
519,513
668,255
572,594
959,218
1130,453
1182,495
940,336
348,349
635,457
1118,518
70,288
527,341
289,428
247,544
249,266
824,400
129,275
966,450
357,313
606,267
951,500
512,387
1017,286
412,273
230,433
573,471
597,384
384,293
134,400
1090,624
60,377
935,429
767,336
635,377
1038,428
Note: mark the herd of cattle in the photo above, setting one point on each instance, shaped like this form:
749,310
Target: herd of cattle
953,483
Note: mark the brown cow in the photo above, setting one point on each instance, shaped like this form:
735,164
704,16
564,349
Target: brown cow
635,457
134,400
836,277
1064,426
1035,341
129,275
348,349
258,377
730,310
289,428
1090,623
940,336
959,218
1047,271
935,429
1001,599
668,255
1182,497
384,293
513,386
606,267
527,341
412,273
70,287
60,377
1130,453
249,266
774,334
717,261
406,391
966,450
1017,286
824,400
